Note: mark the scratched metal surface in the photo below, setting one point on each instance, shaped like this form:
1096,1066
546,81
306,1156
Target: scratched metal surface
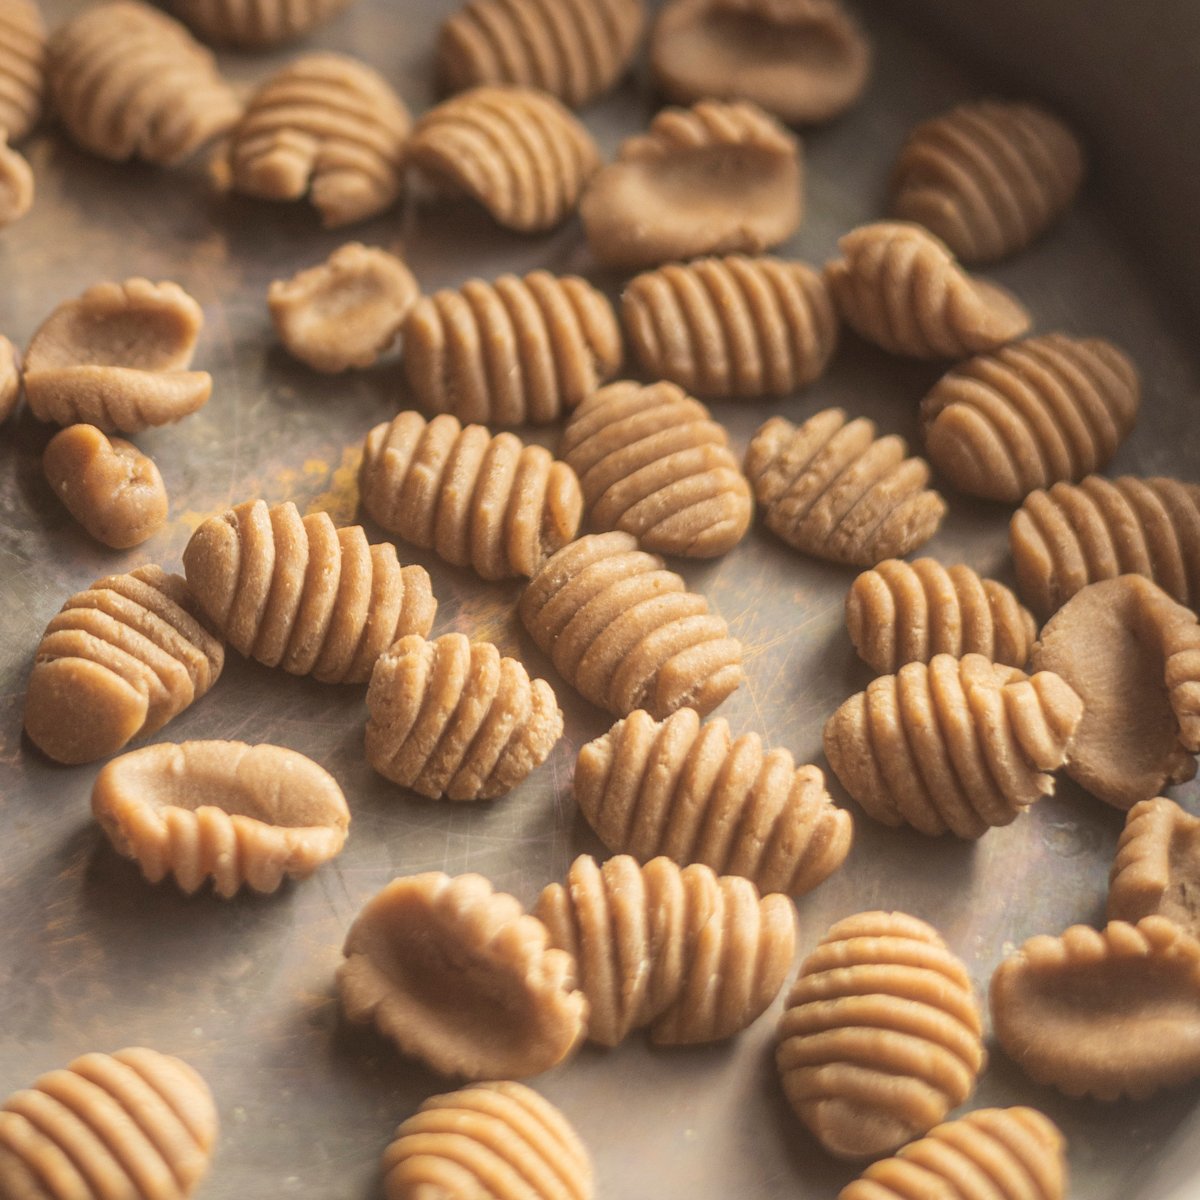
92,958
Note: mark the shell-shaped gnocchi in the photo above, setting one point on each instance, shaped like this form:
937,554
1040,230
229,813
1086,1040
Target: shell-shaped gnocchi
499,1140
880,1035
987,177
328,127
731,327
832,489
131,1124
514,150
1156,870
958,745
988,1154
901,612
1106,1013
299,594
573,49
691,792
119,661
1075,534
712,179
510,352
453,718
899,286
653,462
1041,411
626,632
255,24
129,82
461,977
478,500
22,67
236,814
16,184
695,957
10,378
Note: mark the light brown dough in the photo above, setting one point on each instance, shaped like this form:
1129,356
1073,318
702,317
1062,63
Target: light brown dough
16,184
346,311
10,378
116,357
1038,412
898,286
1156,870
107,484
255,24
1072,535
326,127
299,594
453,718
988,1154
832,489
118,662
711,179
901,612
501,1141
958,745
490,503
511,352
695,957
573,49
691,792
129,82
653,462
1133,656
731,327
880,1035
514,150
806,61
1104,1014
462,978
225,811
134,1124
987,177
22,67
626,632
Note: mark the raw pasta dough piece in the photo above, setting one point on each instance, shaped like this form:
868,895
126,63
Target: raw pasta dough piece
255,24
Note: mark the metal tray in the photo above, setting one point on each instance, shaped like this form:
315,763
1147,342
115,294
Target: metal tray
93,958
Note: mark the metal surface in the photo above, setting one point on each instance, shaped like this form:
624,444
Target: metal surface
93,958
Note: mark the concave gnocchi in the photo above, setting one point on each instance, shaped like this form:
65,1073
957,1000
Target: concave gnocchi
22,86
1156,870
988,1154
691,792
299,594
514,351
453,718
498,1140
806,61
1105,1014
516,151
731,327
880,1035
1044,410
255,24
1133,656
653,462
626,632
487,502
107,484
10,378
327,127
899,286
1076,534
225,811
832,489
130,82
117,357
901,612
461,977
695,957
958,745
573,49
987,177
119,661
711,179
134,1125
